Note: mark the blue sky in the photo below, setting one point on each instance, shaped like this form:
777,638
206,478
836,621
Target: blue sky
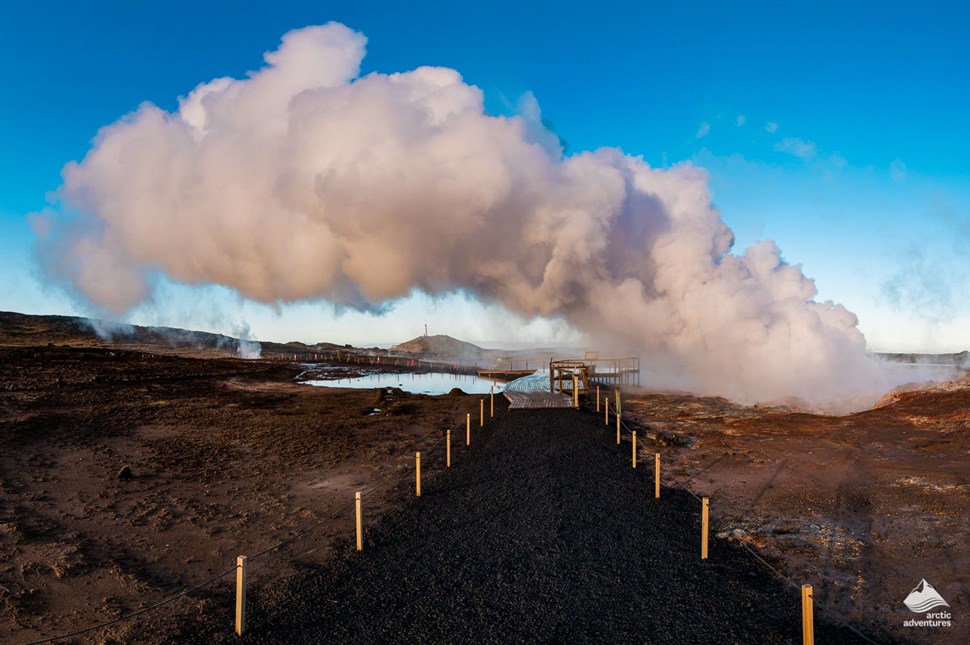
837,129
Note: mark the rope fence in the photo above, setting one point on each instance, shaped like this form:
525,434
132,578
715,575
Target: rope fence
805,590
375,360
397,475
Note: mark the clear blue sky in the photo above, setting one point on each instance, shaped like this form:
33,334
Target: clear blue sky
837,129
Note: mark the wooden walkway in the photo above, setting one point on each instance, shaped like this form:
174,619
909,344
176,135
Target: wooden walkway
507,375
533,392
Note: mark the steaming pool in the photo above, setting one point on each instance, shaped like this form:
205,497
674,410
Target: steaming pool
432,383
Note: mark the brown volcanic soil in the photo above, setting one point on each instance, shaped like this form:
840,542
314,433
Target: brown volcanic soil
863,506
228,457
231,456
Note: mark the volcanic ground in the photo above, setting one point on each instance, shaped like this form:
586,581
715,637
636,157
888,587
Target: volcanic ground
541,530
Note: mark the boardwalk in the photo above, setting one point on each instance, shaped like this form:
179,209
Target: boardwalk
532,391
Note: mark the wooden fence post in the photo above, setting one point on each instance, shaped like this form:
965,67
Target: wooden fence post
481,413
656,477
634,448
597,398
619,403
360,525
617,427
606,409
468,429
448,449
491,394
240,595
417,473
704,527
575,391
808,617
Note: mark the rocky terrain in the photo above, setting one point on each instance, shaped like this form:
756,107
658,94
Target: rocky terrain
227,457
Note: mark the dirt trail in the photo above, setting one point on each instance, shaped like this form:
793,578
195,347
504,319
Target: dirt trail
540,531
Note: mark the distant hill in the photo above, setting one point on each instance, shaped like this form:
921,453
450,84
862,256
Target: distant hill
442,346
23,330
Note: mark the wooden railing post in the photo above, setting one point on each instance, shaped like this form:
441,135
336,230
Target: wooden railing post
808,616
360,524
417,474
240,595
704,527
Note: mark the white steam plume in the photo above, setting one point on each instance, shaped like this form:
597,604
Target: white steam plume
247,346
305,181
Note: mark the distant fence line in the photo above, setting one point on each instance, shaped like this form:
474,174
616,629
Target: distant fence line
377,360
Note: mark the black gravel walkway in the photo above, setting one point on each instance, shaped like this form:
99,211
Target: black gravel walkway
541,531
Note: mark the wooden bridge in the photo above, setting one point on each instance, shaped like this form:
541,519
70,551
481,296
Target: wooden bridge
533,392
504,375
608,371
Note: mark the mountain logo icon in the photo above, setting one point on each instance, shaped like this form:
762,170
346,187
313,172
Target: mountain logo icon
924,598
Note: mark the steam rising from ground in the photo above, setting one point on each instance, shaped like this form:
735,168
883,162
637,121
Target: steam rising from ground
247,346
305,181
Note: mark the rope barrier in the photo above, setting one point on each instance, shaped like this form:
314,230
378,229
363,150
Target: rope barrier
756,556
201,585
373,487
139,612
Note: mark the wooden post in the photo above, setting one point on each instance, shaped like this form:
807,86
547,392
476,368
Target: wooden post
491,394
468,429
481,413
597,398
704,525
808,618
606,406
619,403
634,448
575,391
240,595
618,427
448,450
656,477
417,473
360,526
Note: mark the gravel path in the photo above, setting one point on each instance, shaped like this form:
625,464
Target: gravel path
540,531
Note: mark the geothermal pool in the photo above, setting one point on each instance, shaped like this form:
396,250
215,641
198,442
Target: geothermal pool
431,383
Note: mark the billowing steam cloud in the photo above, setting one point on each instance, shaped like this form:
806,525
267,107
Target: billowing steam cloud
305,181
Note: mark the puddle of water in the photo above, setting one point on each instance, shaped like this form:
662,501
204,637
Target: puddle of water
432,383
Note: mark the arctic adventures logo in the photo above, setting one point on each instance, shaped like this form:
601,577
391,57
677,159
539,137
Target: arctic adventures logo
923,599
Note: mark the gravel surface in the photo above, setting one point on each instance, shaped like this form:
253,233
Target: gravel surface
540,531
